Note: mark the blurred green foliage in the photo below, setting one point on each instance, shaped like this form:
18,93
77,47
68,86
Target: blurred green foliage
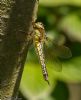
59,17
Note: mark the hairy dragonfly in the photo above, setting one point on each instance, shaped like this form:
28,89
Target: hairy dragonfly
39,39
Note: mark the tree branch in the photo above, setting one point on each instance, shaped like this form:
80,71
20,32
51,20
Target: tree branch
15,23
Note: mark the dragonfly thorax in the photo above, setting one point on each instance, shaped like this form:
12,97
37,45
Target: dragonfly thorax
39,32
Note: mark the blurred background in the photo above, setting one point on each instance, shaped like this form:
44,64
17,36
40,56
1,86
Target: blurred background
62,22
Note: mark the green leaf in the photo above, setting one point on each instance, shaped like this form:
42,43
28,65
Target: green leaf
71,25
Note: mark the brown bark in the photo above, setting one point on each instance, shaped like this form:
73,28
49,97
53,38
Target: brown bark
15,24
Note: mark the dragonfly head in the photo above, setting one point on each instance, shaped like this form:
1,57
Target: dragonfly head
39,25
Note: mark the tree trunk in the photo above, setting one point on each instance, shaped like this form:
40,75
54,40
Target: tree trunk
15,23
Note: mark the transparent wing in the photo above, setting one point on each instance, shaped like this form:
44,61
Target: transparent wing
62,51
58,50
53,52
52,60
54,63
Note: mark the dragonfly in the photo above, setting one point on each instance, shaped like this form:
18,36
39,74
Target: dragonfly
39,39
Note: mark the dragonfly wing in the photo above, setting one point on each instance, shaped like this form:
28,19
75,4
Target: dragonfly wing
53,52
64,52
52,60
59,50
54,64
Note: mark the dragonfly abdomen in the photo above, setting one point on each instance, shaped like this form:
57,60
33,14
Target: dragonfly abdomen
39,49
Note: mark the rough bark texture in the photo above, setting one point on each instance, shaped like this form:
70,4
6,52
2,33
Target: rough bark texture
15,24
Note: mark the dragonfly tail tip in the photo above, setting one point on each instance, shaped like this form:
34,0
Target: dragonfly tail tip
48,82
